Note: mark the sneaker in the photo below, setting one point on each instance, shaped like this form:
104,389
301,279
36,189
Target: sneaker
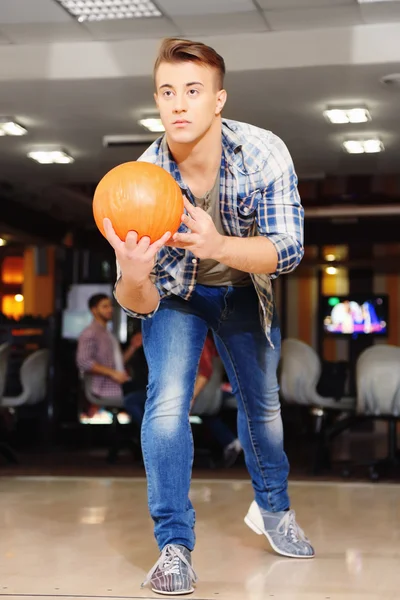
173,573
281,530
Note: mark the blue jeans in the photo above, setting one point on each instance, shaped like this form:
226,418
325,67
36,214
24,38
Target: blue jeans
173,340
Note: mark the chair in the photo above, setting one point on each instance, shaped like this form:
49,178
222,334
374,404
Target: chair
5,450
378,398
300,372
33,376
114,405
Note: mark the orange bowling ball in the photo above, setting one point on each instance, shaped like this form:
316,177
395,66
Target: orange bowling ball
141,197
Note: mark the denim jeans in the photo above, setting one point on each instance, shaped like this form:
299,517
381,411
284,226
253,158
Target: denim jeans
173,340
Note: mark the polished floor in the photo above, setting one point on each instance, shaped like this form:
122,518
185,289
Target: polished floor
92,537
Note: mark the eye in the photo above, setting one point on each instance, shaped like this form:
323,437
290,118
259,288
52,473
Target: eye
193,92
167,93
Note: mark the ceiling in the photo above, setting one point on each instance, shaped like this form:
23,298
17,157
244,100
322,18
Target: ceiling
70,84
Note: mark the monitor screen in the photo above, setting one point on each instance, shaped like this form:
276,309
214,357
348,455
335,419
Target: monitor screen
355,315
74,322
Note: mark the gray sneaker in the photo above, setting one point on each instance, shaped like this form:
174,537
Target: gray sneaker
281,530
173,573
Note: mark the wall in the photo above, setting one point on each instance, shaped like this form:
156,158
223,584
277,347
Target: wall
38,290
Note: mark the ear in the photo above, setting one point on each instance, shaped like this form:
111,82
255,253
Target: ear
221,100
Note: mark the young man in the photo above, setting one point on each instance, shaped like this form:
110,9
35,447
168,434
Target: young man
243,227
99,353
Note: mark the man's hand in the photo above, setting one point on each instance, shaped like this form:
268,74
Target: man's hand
204,241
119,377
136,259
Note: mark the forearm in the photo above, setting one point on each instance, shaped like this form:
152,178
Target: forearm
252,255
97,369
127,355
200,384
142,299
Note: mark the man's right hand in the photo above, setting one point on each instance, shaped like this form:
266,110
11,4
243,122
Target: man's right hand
120,377
136,258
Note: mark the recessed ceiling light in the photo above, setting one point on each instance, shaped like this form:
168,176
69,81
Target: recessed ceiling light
330,257
153,125
51,157
347,115
371,146
331,270
9,127
374,1
103,10
3,242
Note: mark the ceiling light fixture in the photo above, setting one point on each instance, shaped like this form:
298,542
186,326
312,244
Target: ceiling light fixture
330,257
10,127
152,124
107,10
371,146
51,157
3,242
374,1
331,270
339,116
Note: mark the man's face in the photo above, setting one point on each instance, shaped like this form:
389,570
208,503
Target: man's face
104,310
188,99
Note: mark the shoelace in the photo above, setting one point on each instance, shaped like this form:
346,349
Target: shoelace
288,525
169,564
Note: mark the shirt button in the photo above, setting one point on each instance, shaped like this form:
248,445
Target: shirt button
194,260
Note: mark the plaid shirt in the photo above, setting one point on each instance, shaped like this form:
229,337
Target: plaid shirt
96,345
258,196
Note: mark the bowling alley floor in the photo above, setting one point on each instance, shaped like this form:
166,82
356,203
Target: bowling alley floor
91,537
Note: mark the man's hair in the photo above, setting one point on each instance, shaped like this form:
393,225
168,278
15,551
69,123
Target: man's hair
95,300
174,50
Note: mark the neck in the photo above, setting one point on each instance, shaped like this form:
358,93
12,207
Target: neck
202,155
101,321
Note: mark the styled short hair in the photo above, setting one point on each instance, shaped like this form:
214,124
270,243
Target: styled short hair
175,50
96,299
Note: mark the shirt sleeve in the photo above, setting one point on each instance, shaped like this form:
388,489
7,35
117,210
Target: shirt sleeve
132,313
280,215
86,352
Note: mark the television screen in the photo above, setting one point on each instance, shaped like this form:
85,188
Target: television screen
355,315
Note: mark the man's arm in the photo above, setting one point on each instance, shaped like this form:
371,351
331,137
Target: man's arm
278,246
86,360
140,299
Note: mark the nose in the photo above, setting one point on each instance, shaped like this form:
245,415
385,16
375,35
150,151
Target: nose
180,104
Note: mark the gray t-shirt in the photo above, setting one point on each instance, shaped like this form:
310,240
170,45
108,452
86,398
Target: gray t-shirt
211,272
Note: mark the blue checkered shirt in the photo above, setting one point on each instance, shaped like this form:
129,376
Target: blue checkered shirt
258,196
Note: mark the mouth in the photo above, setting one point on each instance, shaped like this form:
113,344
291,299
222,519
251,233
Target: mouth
181,122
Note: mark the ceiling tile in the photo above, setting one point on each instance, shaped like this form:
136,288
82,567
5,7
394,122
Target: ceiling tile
205,7
236,23
32,11
313,18
131,29
37,33
284,4
380,13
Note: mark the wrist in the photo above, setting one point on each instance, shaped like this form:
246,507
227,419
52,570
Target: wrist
219,253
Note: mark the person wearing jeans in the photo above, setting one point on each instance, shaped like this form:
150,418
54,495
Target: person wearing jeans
242,227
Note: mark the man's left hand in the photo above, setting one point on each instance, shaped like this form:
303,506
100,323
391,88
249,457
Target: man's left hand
203,241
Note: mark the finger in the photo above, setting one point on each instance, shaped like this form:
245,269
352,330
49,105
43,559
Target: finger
131,240
192,210
156,246
190,223
183,238
144,243
111,236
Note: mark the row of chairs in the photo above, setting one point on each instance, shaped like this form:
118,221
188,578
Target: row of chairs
377,397
33,377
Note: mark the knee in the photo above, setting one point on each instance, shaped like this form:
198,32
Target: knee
167,406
